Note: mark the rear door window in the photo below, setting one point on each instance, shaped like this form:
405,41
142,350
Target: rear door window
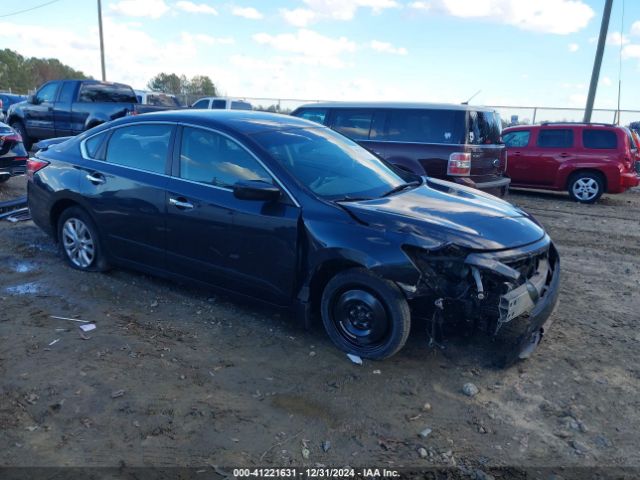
517,139
355,124
599,139
143,147
317,115
93,144
211,158
66,94
106,93
425,126
219,104
555,138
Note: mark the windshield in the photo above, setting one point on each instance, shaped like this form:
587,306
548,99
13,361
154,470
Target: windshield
330,165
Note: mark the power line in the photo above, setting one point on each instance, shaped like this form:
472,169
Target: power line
28,9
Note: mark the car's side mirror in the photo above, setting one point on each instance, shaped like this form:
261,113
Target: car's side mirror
256,190
32,99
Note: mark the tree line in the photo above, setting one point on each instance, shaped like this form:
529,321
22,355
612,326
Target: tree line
22,74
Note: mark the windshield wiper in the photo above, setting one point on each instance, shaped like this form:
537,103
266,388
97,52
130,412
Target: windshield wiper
348,198
402,186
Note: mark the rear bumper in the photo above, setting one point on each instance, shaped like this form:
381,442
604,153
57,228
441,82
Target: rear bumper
629,180
497,187
20,168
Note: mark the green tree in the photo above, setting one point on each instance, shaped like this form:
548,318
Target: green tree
179,84
167,83
20,74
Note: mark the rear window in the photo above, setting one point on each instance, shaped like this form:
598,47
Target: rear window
161,100
106,93
317,115
425,126
517,139
485,128
555,138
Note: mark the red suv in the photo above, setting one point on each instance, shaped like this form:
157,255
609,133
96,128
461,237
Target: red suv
584,159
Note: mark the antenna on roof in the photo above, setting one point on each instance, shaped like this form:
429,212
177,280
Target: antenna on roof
472,97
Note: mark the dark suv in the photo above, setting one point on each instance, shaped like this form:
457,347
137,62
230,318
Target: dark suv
459,143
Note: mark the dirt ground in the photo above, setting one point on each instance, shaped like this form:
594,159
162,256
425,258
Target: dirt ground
177,376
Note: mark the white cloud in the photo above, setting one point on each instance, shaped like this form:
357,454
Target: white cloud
191,7
313,48
191,38
247,12
635,28
425,6
140,8
617,39
574,47
333,10
578,99
547,16
386,47
606,81
299,17
631,51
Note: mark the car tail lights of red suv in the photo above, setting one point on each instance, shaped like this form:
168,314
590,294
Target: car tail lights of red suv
586,160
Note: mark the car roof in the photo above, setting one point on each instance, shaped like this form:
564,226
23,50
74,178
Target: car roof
399,105
246,122
552,125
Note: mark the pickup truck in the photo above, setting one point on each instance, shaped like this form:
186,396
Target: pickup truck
63,108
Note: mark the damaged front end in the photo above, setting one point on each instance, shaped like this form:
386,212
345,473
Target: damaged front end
508,293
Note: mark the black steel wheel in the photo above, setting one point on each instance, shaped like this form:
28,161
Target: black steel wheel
365,315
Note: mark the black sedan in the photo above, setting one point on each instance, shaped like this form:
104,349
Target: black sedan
13,156
297,215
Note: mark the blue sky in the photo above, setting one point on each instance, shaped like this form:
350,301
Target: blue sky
517,52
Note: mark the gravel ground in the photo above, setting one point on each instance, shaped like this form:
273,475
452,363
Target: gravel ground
177,376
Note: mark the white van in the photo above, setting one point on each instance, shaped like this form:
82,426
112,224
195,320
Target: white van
221,103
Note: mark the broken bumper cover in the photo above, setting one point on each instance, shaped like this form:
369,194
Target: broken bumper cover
534,300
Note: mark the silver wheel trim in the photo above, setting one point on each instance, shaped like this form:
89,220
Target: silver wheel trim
78,243
585,188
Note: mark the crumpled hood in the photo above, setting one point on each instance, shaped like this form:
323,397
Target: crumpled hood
447,212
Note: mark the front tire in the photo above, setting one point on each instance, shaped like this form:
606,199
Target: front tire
365,315
79,241
586,187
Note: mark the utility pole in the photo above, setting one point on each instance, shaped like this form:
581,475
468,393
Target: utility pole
104,71
595,76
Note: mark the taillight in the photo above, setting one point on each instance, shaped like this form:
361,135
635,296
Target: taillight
14,137
506,160
35,165
459,164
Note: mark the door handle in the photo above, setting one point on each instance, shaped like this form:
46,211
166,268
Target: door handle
96,179
180,203
564,155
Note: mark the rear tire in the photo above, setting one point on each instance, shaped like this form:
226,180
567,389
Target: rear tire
18,126
79,241
4,178
586,187
365,315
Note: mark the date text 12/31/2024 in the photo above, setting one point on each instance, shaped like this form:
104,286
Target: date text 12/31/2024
368,473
